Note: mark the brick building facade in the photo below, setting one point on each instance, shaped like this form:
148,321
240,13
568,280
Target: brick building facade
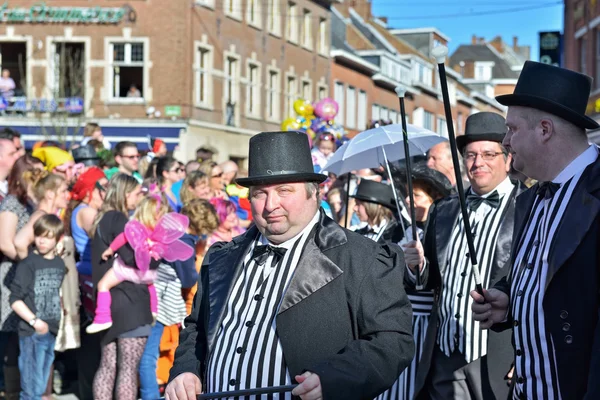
225,69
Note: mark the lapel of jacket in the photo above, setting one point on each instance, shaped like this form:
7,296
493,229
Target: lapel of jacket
523,208
446,218
314,269
579,216
505,237
224,267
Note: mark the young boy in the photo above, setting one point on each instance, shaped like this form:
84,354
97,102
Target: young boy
35,297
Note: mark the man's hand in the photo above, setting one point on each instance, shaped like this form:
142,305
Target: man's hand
309,387
414,256
186,386
493,311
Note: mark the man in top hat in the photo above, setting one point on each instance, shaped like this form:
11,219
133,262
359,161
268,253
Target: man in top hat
296,298
87,156
551,299
460,360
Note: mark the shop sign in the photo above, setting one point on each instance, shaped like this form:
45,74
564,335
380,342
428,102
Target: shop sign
40,13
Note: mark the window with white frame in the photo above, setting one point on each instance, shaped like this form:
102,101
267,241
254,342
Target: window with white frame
323,36
442,129
428,120
383,113
306,29
233,8
459,123
292,22
423,74
351,107
253,90
483,71
203,76
375,116
361,121
128,70
274,17
231,80
306,90
273,87
405,74
291,92
322,92
394,116
253,12
338,96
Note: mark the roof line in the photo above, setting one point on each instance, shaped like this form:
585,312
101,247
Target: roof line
429,29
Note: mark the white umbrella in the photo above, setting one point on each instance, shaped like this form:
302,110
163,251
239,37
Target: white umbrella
377,146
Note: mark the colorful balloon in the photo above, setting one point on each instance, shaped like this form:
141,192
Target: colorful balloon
303,107
326,109
290,124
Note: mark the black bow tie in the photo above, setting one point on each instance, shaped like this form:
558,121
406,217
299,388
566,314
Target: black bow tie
261,253
547,189
474,201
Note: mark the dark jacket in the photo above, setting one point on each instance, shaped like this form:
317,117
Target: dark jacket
130,306
571,300
344,316
442,219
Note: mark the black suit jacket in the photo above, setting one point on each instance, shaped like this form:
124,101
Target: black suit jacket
442,220
571,301
344,316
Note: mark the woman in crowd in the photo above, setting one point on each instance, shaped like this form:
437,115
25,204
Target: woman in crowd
51,194
228,222
215,178
167,173
335,198
195,186
375,207
15,210
429,186
131,315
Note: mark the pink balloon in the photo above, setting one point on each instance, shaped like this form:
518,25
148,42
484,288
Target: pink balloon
326,109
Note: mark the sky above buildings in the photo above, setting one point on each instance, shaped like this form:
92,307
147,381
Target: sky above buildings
461,19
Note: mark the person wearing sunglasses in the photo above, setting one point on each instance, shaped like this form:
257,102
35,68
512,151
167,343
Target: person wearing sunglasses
167,173
215,178
127,158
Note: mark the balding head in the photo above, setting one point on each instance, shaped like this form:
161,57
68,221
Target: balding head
230,170
439,157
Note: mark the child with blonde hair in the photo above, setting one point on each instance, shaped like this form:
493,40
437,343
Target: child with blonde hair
153,233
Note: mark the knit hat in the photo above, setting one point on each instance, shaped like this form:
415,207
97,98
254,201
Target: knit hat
52,157
86,182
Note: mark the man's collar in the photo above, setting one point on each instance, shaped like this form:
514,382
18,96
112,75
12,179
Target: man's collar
577,165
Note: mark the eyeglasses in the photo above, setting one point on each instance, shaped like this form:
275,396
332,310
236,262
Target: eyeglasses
136,156
486,155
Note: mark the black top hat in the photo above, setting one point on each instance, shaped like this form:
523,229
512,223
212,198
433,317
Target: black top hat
279,157
375,192
86,155
559,91
482,126
421,172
